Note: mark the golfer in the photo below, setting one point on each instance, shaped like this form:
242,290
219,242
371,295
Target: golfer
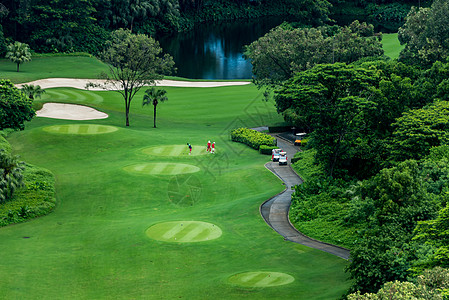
213,147
208,146
190,148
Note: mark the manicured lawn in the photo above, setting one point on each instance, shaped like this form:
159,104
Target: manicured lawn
391,45
113,187
52,67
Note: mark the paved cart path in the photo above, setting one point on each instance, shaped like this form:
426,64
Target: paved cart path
275,210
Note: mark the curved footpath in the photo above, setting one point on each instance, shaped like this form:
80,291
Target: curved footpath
275,210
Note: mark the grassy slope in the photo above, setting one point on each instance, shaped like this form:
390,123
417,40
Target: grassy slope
52,67
391,45
94,245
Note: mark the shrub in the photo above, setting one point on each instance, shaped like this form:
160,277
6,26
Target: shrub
252,138
268,150
11,177
4,145
35,198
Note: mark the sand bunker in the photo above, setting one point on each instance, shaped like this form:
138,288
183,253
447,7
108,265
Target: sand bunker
70,112
260,279
184,232
81,83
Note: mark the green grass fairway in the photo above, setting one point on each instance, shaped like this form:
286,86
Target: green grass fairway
261,279
184,232
112,233
161,169
80,129
52,67
391,45
175,150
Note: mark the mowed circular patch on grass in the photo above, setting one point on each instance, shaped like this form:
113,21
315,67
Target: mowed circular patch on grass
161,169
174,150
260,279
184,232
80,129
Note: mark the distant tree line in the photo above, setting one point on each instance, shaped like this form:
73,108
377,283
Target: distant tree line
84,25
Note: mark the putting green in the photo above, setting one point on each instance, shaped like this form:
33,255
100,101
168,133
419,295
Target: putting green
161,169
184,231
80,129
260,279
175,150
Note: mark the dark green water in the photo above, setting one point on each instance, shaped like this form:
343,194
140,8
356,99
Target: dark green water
215,51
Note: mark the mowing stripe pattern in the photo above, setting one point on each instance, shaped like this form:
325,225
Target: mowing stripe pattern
161,169
184,232
80,129
261,279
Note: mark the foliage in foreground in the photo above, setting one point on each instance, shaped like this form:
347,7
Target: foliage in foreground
36,198
252,138
11,177
26,191
433,284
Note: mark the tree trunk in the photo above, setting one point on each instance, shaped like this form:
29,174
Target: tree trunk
18,64
154,116
127,115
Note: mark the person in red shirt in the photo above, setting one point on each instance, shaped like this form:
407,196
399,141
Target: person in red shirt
208,146
213,147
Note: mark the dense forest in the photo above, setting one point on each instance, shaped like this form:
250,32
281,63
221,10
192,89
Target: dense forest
83,26
377,156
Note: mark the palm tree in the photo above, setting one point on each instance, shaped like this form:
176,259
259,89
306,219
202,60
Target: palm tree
154,96
18,53
32,91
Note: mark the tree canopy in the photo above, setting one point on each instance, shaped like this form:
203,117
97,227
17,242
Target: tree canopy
134,60
285,50
426,34
15,107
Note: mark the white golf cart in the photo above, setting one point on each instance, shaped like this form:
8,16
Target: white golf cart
275,153
283,158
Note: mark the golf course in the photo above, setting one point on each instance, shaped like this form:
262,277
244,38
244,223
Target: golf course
137,217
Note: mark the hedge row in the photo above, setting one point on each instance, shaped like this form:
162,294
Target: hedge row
267,150
252,138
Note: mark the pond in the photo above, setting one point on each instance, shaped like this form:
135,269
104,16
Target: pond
215,51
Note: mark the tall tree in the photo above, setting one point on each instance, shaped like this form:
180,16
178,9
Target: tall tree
154,96
333,101
18,53
134,61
